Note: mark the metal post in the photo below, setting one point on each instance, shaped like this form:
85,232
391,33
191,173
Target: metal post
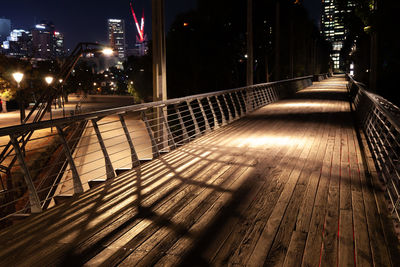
216,124
240,104
109,168
221,110
245,100
204,116
196,126
159,61
134,156
154,146
171,141
234,106
183,127
78,188
33,196
249,42
230,117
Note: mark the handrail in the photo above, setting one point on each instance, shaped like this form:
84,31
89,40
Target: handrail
137,107
379,120
117,139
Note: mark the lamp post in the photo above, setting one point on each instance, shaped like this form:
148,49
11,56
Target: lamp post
49,80
18,76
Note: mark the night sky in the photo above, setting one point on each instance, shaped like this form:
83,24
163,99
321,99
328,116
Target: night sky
83,20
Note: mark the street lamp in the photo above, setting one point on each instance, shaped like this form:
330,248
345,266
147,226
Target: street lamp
107,51
48,79
18,78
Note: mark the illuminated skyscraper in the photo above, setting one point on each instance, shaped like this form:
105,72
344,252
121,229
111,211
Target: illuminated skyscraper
116,36
5,29
333,28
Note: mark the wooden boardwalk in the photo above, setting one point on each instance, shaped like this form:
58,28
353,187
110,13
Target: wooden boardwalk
287,185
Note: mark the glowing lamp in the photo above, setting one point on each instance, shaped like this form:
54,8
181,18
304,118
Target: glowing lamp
48,79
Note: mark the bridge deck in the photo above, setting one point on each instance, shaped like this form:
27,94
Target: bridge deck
285,185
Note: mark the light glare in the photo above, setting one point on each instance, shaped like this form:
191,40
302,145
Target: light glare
18,76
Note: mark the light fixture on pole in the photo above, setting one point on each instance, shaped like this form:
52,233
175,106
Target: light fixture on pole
18,77
107,51
48,79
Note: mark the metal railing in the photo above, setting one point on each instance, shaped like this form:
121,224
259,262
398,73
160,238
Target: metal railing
70,155
379,120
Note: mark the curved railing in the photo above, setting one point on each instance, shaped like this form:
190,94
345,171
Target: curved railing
62,158
379,120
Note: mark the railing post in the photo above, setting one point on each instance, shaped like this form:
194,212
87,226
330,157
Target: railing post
183,127
109,168
245,100
264,94
134,156
78,188
221,110
154,146
230,117
33,196
216,124
171,141
204,116
240,104
234,106
196,126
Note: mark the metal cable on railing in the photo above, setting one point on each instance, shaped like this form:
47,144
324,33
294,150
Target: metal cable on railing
379,120
87,149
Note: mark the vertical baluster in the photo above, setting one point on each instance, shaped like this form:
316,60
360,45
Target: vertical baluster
109,168
171,141
240,104
134,156
234,106
221,110
207,125
216,124
196,126
78,188
154,146
185,135
33,196
245,100
230,117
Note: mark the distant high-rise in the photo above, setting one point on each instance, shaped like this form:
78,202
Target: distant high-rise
18,44
333,28
43,40
116,36
5,29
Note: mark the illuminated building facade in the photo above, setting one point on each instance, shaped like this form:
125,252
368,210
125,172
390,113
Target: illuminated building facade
18,44
5,29
116,37
333,28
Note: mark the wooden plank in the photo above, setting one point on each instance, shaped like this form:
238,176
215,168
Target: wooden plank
312,250
245,236
329,254
296,248
346,245
265,240
229,222
361,238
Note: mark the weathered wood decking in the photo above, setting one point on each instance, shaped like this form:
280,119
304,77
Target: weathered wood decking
286,185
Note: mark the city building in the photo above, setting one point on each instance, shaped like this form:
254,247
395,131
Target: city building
43,40
5,29
333,28
116,37
18,43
